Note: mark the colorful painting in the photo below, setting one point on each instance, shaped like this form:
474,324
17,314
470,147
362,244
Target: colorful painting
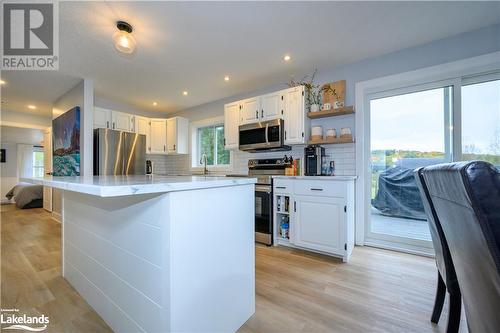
66,143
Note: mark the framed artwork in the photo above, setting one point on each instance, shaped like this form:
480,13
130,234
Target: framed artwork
66,143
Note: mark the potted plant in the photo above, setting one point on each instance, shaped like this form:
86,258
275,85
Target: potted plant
312,90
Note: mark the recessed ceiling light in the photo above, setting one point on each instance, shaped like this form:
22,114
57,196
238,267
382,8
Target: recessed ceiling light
31,107
287,58
185,93
123,39
226,78
155,103
2,82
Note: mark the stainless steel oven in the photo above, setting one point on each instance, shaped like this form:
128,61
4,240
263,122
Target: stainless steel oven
264,170
264,135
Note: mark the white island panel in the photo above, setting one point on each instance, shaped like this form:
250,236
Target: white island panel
164,262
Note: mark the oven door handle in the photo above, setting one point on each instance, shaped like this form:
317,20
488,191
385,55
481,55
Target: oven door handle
267,138
260,188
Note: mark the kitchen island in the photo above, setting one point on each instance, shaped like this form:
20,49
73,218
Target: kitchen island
160,254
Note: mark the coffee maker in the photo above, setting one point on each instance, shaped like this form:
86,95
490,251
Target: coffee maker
314,156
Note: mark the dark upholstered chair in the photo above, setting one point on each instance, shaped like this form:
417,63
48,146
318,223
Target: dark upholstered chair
466,199
447,278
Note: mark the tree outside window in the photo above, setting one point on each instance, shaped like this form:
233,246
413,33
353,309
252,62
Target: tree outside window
211,143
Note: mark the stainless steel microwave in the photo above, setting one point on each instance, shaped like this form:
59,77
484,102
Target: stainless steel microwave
263,136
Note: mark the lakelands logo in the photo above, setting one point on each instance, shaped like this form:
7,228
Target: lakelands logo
16,321
30,35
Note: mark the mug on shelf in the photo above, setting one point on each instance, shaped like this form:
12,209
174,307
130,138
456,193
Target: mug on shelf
345,131
326,107
331,133
317,131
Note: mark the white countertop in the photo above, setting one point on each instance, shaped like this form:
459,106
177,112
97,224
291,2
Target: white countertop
317,177
115,186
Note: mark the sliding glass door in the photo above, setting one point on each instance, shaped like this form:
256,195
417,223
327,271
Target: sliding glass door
422,125
409,128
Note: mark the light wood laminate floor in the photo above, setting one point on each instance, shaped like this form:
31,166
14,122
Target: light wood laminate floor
378,291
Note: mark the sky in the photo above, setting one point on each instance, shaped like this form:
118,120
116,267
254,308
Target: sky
416,121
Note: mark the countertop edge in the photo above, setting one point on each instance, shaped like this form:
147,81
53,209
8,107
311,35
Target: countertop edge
138,189
327,178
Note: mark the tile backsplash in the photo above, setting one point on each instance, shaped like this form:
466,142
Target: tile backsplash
344,156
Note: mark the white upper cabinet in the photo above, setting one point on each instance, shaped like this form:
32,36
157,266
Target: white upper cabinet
296,122
231,123
158,139
177,135
122,121
271,106
142,127
250,110
102,118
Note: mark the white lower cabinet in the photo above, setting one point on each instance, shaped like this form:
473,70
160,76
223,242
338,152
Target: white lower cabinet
319,223
315,217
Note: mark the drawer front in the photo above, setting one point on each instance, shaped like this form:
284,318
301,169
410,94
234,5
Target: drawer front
283,186
321,188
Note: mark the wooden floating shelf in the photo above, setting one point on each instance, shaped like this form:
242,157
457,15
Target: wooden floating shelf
331,113
346,139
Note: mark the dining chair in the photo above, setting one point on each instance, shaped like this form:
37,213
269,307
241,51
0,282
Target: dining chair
447,278
466,199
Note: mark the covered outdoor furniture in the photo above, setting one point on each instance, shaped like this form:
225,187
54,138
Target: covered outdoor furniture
466,199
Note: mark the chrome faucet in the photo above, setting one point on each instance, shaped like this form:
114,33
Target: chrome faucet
204,160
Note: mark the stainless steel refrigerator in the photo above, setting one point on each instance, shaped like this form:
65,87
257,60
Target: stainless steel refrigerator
119,153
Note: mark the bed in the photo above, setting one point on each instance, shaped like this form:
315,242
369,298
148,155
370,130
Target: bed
26,195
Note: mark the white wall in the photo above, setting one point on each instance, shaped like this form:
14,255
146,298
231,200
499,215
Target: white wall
24,119
470,44
81,95
10,138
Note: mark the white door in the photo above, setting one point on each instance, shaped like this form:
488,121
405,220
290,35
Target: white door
294,115
102,118
47,166
231,123
121,121
270,106
319,223
158,136
250,110
171,135
142,127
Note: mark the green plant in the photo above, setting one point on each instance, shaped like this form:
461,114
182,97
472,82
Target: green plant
313,92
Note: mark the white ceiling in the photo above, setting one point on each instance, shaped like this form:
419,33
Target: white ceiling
192,45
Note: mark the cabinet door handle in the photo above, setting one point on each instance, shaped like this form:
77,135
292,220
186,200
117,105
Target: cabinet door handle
107,124
316,189
113,125
164,148
281,187
295,206
257,114
262,113
174,147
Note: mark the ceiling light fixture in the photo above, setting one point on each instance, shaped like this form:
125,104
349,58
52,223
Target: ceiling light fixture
2,82
226,78
155,103
31,107
185,93
287,58
123,39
